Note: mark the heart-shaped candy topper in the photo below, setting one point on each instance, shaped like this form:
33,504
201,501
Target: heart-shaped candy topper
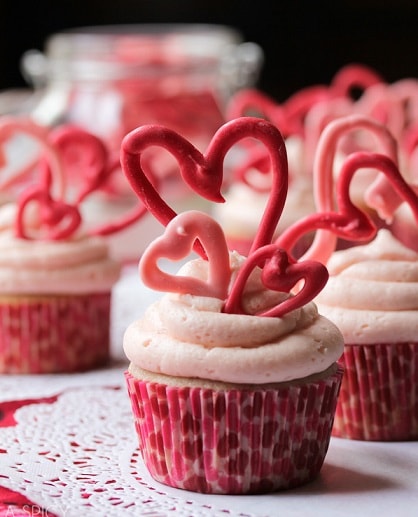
204,173
13,126
280,273
84,157
58,219
323,170
349,222
177,243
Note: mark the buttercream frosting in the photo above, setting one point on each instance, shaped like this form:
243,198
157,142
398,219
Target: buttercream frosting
372,292
80,264
183,335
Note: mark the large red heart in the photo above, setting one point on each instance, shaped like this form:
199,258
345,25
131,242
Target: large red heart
177,243
349,222
84,156
279,273
204,173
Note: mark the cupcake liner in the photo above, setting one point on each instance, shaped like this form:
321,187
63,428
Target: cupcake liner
54,334
234,441
379,393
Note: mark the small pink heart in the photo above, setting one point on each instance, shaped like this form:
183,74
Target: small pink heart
177,243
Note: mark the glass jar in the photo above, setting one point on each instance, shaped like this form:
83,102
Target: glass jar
112,79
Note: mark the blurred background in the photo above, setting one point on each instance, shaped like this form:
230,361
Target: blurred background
304,42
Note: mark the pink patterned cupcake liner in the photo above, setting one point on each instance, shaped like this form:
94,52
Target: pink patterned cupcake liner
235,441
379,393
53,334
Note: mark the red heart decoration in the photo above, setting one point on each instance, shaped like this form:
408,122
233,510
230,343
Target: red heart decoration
60,219
279,273
177,243
84,157
349,222
325,242
10,126
204,173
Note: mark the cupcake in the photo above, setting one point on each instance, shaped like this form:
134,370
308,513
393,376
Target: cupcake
233,380
55,279
371,296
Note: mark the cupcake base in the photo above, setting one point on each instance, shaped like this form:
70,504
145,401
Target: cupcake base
52,334
235,440
379,393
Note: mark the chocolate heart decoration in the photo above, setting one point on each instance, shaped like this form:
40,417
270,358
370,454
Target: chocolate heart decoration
350,222
204,173
279,273
177,243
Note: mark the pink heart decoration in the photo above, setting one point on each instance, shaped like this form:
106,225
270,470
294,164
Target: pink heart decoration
350,222
204,173
279,273
177,243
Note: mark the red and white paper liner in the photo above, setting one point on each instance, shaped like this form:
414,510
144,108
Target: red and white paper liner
379,393
234,441
54,334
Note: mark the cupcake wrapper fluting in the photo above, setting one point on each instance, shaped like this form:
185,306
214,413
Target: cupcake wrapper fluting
234,441
54,334
379,393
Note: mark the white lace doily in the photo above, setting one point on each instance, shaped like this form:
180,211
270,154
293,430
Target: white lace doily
78,456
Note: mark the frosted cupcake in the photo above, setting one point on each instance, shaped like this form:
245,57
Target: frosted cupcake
371,296
55,280
233,381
